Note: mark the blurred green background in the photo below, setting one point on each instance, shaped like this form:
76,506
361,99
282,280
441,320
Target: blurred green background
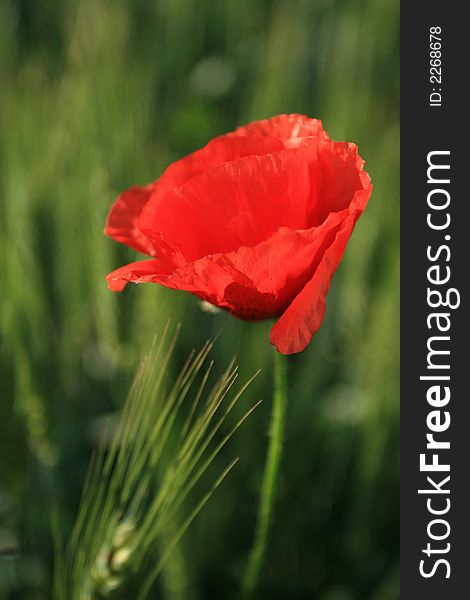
96,95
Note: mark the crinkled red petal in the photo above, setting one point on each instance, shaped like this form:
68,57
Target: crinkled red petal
121,221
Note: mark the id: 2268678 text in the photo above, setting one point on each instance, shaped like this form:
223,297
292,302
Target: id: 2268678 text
435,66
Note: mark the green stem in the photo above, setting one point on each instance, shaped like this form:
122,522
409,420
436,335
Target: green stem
270,477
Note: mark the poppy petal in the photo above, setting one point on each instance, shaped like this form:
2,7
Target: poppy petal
220,151
142,271
291,128
121,221
214,279
217,280
336,176
302,319
239,203
265,263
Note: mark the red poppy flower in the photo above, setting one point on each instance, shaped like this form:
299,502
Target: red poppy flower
256,223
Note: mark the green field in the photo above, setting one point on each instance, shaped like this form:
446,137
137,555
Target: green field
97,95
